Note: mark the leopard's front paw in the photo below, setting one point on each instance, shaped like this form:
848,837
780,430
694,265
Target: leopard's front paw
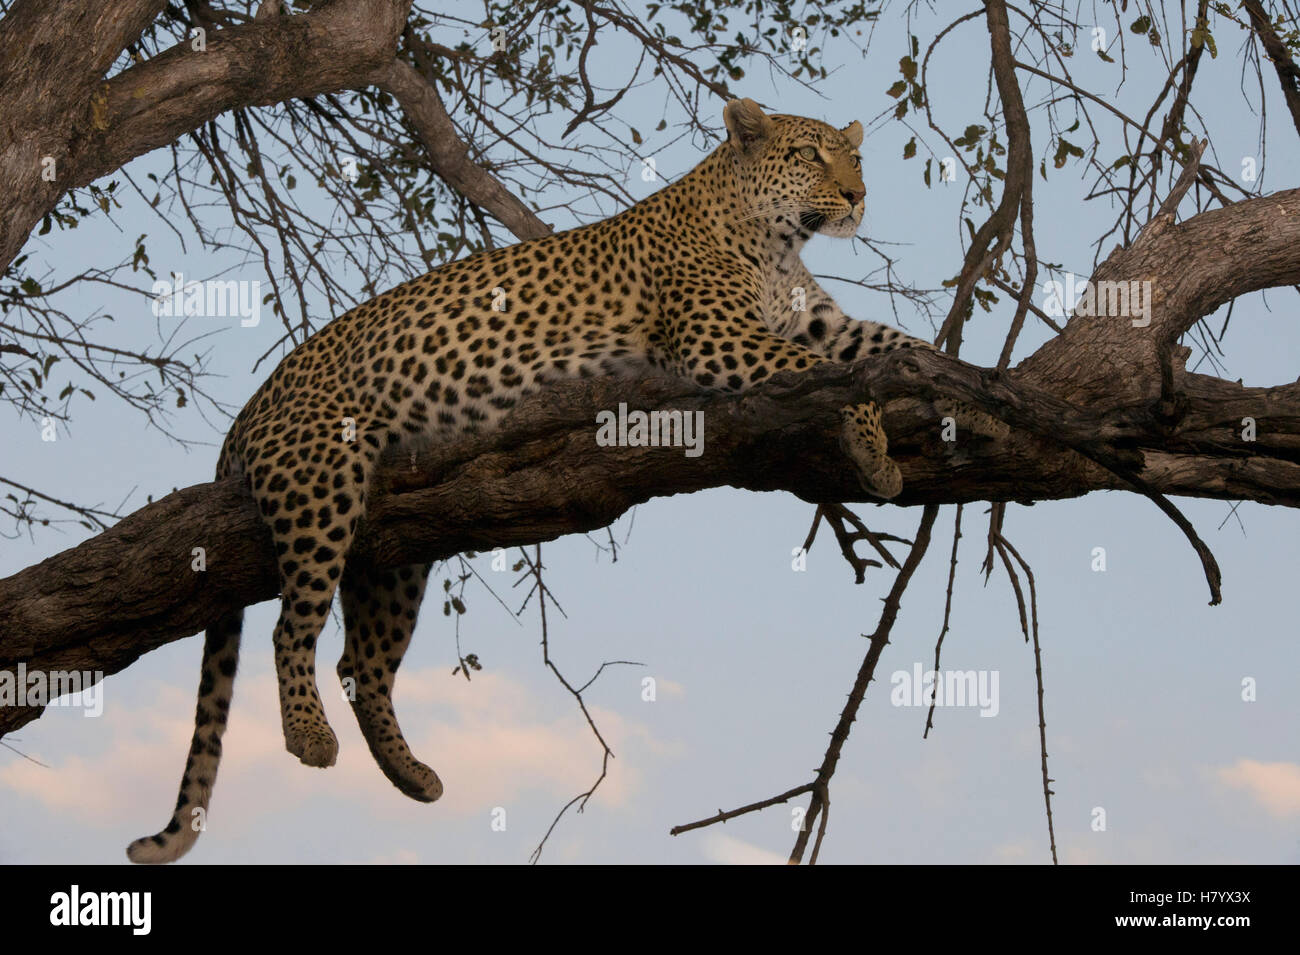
863,440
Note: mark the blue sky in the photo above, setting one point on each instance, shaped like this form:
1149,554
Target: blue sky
752,659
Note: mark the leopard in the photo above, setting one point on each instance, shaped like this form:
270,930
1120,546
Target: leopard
695,281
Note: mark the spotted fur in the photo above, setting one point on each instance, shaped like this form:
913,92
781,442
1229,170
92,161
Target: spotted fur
696,281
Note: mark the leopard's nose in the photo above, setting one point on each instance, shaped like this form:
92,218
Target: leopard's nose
853,195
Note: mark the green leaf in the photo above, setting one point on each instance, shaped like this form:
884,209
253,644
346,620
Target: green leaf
1201,36
1065,149
909,150
897,90
971,136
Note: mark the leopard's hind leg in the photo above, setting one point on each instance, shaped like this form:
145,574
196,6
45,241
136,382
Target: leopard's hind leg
968,417
312,493
379,613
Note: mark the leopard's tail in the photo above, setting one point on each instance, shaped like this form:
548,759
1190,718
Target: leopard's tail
220,658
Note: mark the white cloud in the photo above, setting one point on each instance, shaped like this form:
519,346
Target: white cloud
669,689
1275,786
109,785
1079,853
491,742
719,847
1011,853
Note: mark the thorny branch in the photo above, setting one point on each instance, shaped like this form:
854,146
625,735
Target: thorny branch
820,802
1003,547
819,787
947,613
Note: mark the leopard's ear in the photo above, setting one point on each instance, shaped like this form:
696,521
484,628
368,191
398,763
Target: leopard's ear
853,132
747,125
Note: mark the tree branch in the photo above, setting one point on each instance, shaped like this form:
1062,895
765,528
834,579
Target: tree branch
334,46
542,475
1288,73
820,801
448,153
994,236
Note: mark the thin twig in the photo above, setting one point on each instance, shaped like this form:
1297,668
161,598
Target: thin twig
947,612
542,591
1038,676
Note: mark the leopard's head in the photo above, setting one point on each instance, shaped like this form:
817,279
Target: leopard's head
795,170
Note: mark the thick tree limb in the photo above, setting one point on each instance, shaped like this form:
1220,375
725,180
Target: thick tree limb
56,104
1194,267
448,153
543,475
1085,397
50,60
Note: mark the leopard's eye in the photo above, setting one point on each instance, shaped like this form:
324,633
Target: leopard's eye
857,162
808,152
